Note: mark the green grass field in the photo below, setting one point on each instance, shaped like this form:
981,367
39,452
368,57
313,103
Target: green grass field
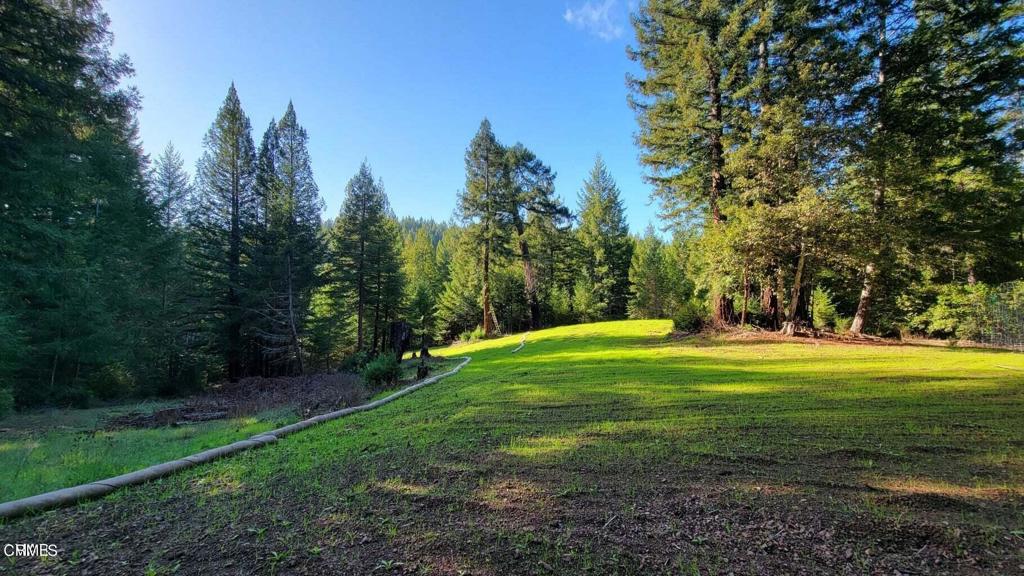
607,448
55,449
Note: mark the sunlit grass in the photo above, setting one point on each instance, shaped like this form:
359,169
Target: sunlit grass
624,399
49,458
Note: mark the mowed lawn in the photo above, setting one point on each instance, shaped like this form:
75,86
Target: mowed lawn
607,448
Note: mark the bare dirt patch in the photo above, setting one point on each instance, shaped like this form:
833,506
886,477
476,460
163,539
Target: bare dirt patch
758,336
308,396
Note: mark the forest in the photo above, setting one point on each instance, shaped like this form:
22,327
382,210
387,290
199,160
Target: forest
826,165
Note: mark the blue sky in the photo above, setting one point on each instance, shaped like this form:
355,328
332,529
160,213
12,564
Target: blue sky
401,84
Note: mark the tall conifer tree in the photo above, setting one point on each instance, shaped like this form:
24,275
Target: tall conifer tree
480,206
458,307
293,243
930,168
650,276
528,197
170,186
605,245
223,221
358,230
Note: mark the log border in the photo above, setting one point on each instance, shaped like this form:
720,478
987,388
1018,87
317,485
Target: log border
100,488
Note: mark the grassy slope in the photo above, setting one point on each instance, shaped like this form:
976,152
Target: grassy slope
607,448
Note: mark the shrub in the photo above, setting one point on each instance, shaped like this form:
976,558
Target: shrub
962,312
472,335
843,323
689,317
823,311
381,371
6,402
589,308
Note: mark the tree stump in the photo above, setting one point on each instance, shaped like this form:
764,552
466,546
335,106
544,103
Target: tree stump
401,334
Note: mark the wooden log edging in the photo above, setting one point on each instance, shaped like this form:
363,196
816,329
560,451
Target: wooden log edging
100,488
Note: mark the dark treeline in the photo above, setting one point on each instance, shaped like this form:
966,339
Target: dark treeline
846,165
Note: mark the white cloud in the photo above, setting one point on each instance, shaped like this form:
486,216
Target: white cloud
598,19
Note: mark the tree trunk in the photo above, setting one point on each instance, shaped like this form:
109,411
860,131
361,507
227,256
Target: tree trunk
860,318
857,326
725,314
769,306
360,292
780,289
794,299
803,307
486,298
715,144
234,264
746,296
378,297
293,325
791,324
529,275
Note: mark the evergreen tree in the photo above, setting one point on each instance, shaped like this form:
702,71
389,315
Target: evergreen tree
175,360
588,307
354,243
222,226
459,306
693,55
650,276
556,253
604,242
781,208
78,232
926,130
386,282
423,283
480,206
445,252
529,197
170,186
268,179
262,333
418,261
685,102
294,250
